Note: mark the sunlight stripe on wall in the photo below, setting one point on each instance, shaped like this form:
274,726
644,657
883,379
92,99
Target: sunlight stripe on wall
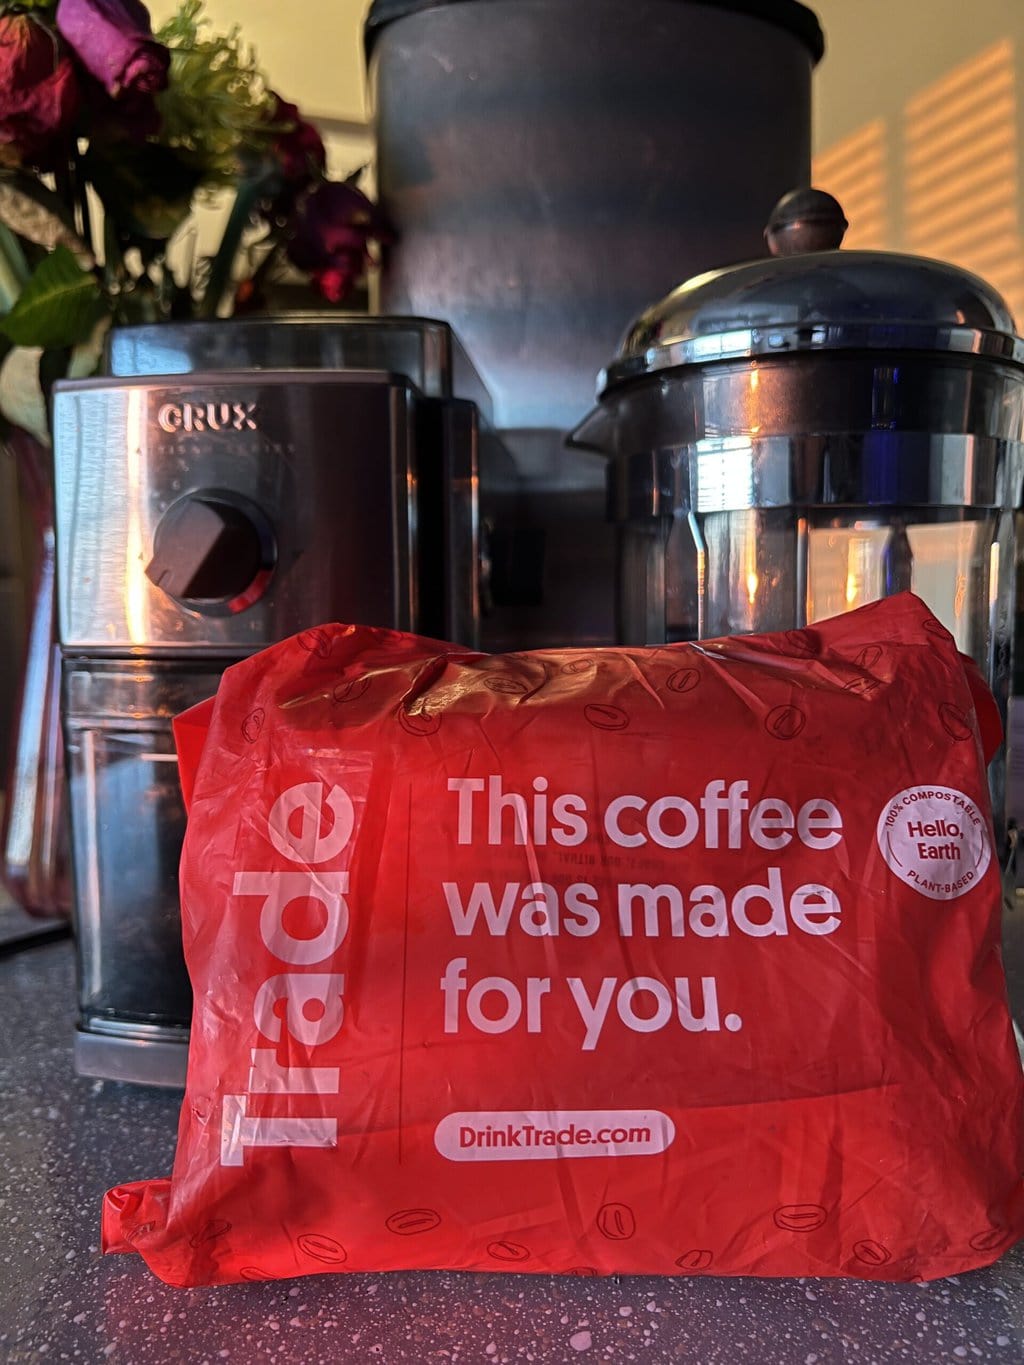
961,161
856,171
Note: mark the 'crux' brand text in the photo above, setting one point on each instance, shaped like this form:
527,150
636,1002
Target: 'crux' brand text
207,417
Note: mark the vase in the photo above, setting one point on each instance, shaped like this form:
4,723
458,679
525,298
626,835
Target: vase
35,867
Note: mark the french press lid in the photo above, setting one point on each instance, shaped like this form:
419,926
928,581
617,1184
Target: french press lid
808,296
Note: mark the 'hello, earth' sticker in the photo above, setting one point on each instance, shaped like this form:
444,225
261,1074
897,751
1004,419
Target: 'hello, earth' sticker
936,840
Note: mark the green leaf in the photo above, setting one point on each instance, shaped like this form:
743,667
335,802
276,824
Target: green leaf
58,307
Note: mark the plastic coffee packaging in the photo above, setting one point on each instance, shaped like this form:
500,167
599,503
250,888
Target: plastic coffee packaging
677,960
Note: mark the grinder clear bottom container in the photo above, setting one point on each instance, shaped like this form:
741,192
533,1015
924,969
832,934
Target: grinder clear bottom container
128,822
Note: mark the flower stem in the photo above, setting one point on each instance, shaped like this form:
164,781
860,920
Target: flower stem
269,262
84,215
112,262
220,269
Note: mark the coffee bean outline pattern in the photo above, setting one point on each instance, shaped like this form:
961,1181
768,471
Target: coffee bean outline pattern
605,717
503,684
992,1239
508,1251
209,1232
412,1222
322,1248
617,1222
697,1259
869,656
785,722
252,726
800,1217
872,1253
316,641
954,722
683,680
419,724
937,630
351,691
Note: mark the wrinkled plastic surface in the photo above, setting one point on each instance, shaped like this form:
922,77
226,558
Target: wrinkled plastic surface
675,960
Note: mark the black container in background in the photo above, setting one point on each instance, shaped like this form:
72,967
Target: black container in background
551,167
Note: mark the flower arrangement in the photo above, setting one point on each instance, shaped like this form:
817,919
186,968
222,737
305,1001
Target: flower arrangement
110,136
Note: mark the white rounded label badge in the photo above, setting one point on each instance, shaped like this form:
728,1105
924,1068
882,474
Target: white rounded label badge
936,840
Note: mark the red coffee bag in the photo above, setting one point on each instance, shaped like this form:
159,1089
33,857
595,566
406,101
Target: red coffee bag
680,960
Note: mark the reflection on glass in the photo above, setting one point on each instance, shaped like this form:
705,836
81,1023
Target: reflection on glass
946,565
993,575
725,473
744,577
136,585
750,584
845,568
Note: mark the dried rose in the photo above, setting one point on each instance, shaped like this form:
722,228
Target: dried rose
286,164
38,93
113,39
298,150
332,227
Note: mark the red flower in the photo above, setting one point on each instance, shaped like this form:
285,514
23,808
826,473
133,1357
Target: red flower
38,93
335,284
332,227
113,39
299,150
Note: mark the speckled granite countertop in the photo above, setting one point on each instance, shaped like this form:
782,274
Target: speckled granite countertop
64,1140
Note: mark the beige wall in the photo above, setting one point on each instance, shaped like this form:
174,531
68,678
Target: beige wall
919,127
311,49
885,125
879,52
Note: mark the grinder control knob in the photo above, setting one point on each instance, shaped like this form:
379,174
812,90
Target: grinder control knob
213,552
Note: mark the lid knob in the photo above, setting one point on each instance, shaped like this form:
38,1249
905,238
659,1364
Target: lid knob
805,220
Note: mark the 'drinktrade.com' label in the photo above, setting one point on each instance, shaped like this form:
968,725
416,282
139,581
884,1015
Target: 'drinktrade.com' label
538,1135
936,840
